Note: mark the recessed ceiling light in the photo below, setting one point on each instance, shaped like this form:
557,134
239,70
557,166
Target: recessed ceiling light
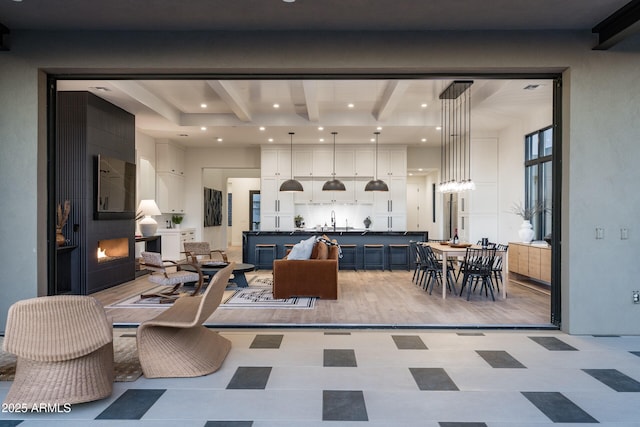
262,128
321,139
410,174
270,139
289,1
423,105
219,140
419,169
203,105
424,140
276,105
372,140
438,127
350,105
320,128
203,128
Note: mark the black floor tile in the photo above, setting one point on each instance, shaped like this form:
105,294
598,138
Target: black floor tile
499,359
228,424
637,353
250,378
409,342
131,405
9,423
470,334
343,405
267,341
558,408
453,424
553,344
337,333
340,358
433,379
615,379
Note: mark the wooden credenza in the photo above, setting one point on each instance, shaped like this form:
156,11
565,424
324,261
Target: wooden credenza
530,260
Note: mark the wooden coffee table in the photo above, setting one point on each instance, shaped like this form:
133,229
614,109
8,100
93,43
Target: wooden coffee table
239,279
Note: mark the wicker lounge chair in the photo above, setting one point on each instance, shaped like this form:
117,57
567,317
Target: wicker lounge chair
175,344
64,349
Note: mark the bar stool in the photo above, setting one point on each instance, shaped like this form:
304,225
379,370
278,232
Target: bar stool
377,250
264,247
399,250
349,257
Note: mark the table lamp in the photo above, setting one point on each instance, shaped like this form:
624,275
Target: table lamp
148,225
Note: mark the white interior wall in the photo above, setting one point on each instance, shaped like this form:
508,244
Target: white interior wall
240,188
600,130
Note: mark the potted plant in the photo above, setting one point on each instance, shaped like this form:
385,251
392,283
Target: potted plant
298,220
526,232
177,220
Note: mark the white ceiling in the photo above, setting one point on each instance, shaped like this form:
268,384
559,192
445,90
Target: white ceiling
237,109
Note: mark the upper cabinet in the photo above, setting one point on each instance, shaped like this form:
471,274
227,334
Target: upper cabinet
276,162
392,162
169,158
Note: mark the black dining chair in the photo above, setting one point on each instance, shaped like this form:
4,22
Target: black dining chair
433,271
478,267
497,264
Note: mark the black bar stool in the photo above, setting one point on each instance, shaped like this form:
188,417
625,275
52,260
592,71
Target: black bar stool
398,251
268,248
375,251
349,256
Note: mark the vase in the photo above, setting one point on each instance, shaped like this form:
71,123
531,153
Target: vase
60,239
367,222
526,231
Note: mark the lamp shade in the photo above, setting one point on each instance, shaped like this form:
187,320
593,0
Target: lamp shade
148,207
334,185
148,225
291,185
376,185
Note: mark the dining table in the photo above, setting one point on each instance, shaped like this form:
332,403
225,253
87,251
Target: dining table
446,251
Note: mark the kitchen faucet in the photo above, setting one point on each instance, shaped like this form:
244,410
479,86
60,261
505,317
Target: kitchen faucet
333,220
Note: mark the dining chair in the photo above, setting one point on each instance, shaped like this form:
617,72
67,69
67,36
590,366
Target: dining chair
497,263
478,266
433,271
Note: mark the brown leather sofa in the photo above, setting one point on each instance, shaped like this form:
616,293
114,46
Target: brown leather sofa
314,277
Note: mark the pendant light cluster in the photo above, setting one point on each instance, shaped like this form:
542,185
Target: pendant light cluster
334,184
455,139
291,184
376,184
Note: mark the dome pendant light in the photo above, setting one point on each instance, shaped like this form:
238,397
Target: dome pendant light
334,184
376,184
291,184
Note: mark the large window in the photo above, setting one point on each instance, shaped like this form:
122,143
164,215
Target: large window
538,182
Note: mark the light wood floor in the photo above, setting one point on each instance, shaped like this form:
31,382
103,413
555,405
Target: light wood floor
368,298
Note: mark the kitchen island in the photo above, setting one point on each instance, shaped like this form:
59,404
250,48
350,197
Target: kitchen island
283,239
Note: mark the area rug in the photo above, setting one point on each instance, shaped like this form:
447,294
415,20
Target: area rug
126,366
262,297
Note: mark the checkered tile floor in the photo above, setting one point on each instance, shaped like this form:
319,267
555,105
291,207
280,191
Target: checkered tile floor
384,378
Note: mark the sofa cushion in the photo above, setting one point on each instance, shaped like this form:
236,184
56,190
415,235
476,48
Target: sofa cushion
323,251
303,249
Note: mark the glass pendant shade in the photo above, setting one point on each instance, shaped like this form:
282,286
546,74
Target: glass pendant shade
334,184
376,184
291,184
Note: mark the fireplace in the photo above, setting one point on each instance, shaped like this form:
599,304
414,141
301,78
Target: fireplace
112,250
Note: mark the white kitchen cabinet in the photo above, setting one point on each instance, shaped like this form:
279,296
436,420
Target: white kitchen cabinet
276,207
322,162
173,242
170,192
345,162
364,162
275,162
303,163
170,158
361,196
390,207
392,162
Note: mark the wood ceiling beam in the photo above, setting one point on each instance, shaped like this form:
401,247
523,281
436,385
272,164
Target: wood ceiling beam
622,24
232,98
390,99
310,89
